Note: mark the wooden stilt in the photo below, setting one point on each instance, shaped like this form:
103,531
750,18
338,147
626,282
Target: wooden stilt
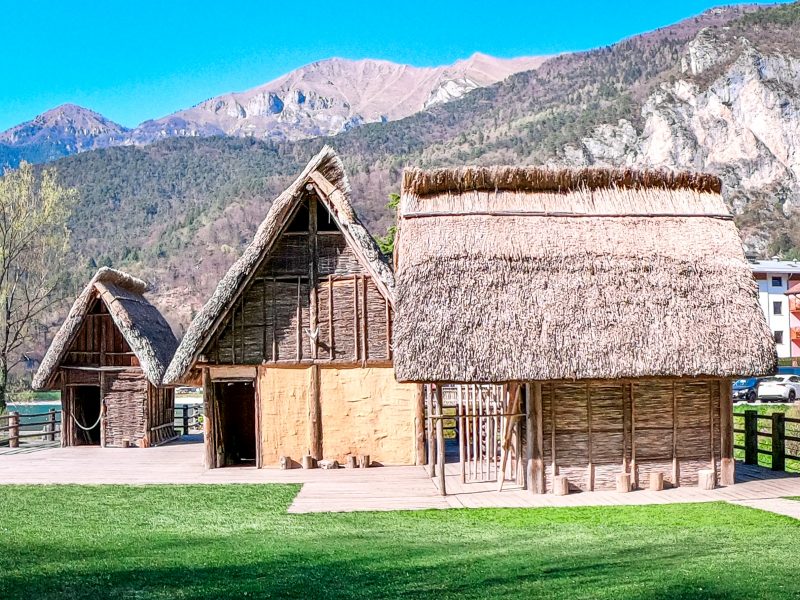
440,440
461,435
431,439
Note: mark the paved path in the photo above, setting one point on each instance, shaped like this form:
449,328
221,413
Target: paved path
779,506
384,488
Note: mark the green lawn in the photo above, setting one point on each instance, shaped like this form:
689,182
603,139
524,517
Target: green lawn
765,427
238,541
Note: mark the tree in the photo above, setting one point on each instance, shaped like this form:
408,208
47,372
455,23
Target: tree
34,240
386,242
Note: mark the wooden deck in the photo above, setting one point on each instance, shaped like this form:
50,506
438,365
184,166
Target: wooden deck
383,488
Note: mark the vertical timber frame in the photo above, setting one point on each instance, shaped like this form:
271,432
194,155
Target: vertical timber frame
727,474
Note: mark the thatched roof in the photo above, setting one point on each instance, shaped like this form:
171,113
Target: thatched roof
325,173
530,274
141,324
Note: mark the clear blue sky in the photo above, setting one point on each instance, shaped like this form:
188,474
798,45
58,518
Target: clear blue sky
137,59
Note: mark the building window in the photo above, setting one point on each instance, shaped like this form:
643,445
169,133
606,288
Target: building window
777,282
778,336
777,308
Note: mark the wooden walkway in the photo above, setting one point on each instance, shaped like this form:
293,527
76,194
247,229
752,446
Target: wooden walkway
383,488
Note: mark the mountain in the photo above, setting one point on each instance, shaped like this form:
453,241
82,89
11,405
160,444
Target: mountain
323,98
717,92
331,96
64,130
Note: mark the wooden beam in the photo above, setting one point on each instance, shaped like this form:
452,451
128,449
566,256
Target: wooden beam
676,466
208,413
314,414
299,332
537,473
419,424
727,462
331,338
431,460
356,341
313,317
364,320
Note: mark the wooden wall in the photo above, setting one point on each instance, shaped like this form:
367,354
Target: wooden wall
593,430
99,342
311,300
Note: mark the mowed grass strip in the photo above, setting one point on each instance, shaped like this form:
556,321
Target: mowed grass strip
237,541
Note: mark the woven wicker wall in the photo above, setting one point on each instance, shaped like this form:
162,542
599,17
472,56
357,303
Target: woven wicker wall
652,425
273,316
125,397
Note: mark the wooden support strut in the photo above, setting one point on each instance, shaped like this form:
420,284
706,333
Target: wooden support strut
314,414
419,425
440,457
727,463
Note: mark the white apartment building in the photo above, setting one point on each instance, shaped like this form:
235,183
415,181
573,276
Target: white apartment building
774,278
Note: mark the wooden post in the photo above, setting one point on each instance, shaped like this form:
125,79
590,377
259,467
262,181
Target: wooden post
560,485
431,456
778,442
363,461
309,462
706,479
536,472
285,463
440,458
751,437
13,432
314,414
461,435
313,318
208,429
656,481
352,461
676,466
634,468
51,417
623,483
727,474
419,425
185,418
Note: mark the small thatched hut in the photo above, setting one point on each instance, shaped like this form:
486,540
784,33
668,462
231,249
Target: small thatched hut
293,348
107,360
619,301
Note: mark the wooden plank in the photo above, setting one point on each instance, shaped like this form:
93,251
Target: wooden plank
313,317
461,436
331,347
232,372
355,319
431,460
676,466
364,320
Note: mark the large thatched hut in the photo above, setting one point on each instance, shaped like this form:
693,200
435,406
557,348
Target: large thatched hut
620,303
293,348
107,359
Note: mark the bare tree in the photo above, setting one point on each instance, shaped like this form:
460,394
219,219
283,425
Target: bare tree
34,240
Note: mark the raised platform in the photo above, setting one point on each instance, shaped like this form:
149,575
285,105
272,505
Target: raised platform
381,488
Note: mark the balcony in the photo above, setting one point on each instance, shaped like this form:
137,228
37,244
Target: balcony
794,304
794,334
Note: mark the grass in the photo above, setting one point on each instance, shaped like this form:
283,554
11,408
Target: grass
204,542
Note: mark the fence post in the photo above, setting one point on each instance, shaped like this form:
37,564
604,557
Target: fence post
13,433
51,425
751,437
185,419
778,441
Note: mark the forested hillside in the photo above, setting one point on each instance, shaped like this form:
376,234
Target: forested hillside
179,211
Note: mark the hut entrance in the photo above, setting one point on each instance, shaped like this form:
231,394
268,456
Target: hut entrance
237,407
485,427
86,424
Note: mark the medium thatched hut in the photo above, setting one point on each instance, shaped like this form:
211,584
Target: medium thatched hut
293,348
107,360
619,302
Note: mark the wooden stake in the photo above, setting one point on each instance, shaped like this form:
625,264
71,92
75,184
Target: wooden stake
314,414
461,435
440,440
727,462
419,425
431,457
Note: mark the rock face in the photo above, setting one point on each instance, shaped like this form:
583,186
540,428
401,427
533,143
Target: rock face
734,111
62,131
331,96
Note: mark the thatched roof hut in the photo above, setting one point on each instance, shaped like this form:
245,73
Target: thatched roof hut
108,360
294,346
524,274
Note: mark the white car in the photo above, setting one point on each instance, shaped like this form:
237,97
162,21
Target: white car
780,388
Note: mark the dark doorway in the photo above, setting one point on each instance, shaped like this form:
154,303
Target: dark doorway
86,415
237,405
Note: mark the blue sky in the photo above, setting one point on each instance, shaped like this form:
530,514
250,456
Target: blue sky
137,59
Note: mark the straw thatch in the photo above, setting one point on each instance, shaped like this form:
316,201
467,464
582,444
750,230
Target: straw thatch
141,324
329,166
592,274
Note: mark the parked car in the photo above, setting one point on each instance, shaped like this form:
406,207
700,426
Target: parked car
744,390
780,388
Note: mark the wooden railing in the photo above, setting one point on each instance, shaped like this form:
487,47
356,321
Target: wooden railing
771,442
188,417
13,427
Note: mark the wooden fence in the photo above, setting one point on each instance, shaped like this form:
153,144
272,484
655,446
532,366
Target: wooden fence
16,428
767,436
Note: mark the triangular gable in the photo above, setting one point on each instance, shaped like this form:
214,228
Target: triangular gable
325,174
141,325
